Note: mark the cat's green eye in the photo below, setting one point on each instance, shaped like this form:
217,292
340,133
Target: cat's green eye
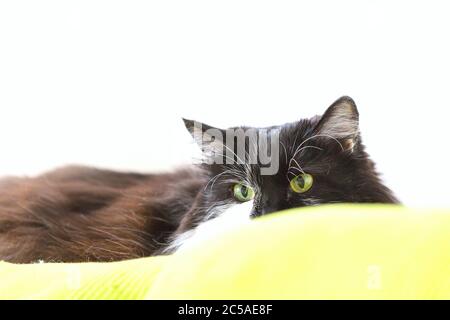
243,192
302,183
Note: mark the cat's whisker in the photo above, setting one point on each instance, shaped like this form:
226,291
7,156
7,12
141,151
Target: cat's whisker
251,172
298,165
285,152
300,149
295,141
319,136
292,173
233,153
215,178
232,172
295,168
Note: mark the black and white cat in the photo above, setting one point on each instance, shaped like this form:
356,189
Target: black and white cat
321,160
86,214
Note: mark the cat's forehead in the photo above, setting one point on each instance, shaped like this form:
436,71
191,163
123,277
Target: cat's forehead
288,137
281,147
279,153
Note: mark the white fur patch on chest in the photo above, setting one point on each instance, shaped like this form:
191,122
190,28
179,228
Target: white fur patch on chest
226,221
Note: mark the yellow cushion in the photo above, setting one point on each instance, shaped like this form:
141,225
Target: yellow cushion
328,252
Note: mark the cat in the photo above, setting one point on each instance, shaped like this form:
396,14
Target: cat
80,214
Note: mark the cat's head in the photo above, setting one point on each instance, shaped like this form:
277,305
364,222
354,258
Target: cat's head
303,163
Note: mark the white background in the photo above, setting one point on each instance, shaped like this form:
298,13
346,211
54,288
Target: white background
105,82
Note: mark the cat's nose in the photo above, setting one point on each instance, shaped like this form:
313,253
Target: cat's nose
256,212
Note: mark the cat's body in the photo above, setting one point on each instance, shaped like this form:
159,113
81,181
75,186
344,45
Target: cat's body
82,214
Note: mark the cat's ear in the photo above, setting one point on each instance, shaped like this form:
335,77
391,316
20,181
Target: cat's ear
341,122
208,138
